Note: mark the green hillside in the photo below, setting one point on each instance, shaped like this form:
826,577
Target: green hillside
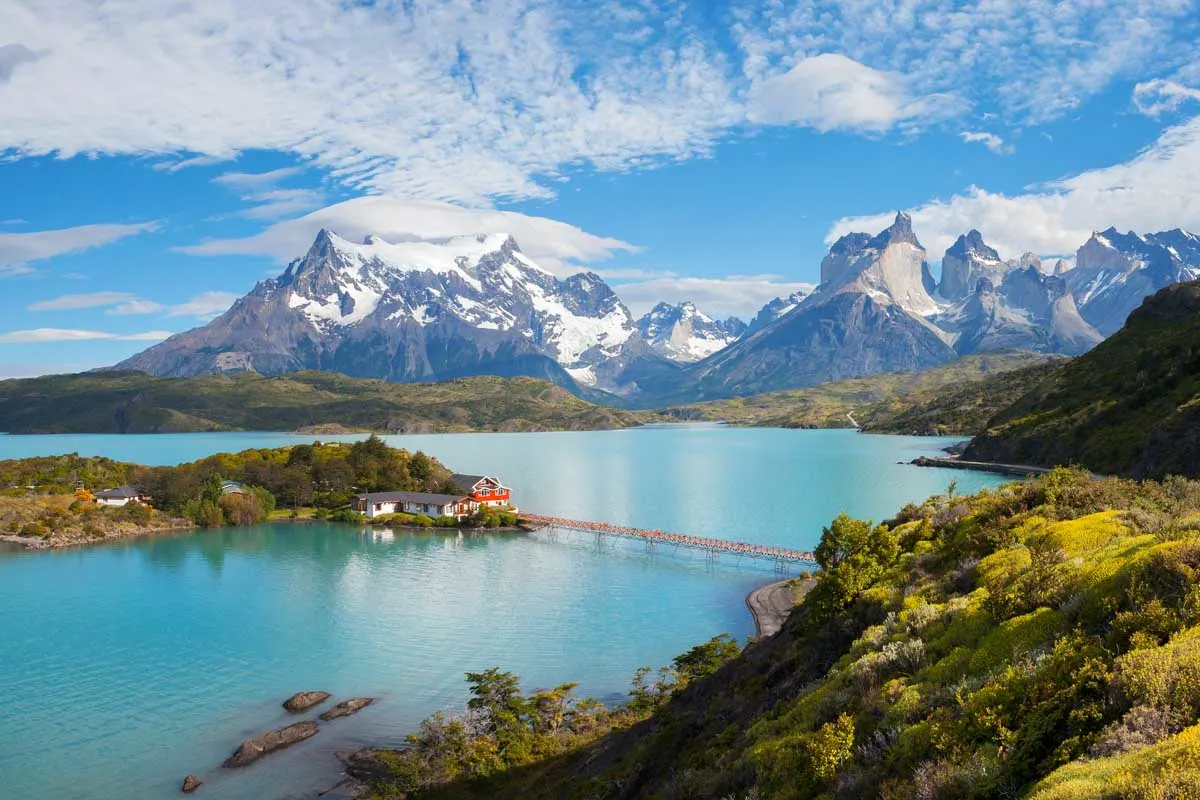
133,402
1131,406
1037,641
950,399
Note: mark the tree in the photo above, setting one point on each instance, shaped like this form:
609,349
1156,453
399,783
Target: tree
704,659
853,556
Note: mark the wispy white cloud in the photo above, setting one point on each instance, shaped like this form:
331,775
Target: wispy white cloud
457,100
187,163
135,305
1027,60
21,249
1151,192
256,181
202,306
555,245
39,335
266,198
70,302
205,305
989,140
1160,96
735,296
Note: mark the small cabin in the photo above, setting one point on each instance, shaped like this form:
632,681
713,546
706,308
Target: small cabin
377,504
484,489
231,487
121,496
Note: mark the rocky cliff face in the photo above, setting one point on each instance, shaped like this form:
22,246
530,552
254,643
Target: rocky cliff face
1027,311
683,333
967,262
410,311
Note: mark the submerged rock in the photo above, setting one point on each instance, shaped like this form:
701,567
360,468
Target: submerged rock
347,707
190,784
255,748
302,701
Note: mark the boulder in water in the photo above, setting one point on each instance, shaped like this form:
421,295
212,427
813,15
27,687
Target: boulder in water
347,707
303,701
190,784
255,748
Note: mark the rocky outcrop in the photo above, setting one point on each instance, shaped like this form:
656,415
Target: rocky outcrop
347,707
255,748
190,784
302,701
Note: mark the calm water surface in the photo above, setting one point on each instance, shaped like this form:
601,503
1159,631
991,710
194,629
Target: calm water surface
124,667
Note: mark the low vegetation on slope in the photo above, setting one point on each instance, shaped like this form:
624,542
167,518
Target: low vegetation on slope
1130,406
954,399
133,402
1041,640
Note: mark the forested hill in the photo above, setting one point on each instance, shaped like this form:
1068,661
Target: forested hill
1131,406
1037,641
133,402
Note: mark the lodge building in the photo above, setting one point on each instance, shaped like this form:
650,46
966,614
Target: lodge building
481,491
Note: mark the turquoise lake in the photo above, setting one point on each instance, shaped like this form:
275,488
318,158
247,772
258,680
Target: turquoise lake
124,667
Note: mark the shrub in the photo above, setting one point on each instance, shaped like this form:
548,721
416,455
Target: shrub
422,521
1141,727
35,530
1166,677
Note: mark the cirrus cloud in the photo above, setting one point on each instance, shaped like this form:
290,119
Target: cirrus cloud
39,335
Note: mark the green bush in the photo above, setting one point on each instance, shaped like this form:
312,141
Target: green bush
35,530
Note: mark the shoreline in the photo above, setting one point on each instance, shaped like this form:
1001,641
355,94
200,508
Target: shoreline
996,468
771,604
42,544
38,545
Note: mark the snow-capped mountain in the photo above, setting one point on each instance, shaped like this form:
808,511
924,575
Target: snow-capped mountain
410,311
1115,271
776,309
683,333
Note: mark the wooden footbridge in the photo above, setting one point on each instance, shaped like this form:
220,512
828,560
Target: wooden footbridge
653,538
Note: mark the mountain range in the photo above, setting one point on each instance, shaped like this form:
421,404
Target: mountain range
469,305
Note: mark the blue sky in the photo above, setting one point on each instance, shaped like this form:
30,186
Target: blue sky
156,161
